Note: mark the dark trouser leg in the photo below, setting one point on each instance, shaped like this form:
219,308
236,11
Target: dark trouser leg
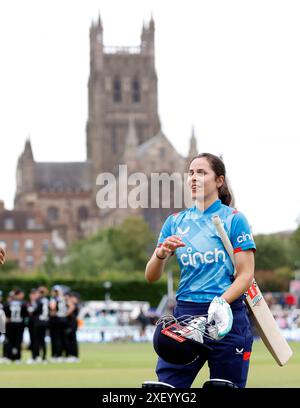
42,340
35,342
7,342
231,356
180,376
54,334
16,341
72,342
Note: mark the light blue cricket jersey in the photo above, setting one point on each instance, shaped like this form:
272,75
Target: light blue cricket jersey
206,268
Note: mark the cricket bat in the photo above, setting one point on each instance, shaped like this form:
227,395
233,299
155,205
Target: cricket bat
264,321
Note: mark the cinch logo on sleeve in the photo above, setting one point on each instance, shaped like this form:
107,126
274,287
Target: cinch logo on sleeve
244,237
207,257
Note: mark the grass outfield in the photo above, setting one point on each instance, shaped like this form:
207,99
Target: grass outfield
116,365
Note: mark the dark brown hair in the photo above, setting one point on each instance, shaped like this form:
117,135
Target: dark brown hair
218,166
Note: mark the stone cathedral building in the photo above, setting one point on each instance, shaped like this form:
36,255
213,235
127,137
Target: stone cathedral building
123,127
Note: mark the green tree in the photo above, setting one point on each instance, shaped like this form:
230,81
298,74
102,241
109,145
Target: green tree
130,241
89,257
9,266
122,248
295,248
49,264
272,252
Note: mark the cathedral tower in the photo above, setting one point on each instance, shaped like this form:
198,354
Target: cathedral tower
122,88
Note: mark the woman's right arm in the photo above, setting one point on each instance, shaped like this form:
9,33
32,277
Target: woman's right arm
157,262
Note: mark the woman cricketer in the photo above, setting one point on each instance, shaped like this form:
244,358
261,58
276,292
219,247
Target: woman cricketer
207,285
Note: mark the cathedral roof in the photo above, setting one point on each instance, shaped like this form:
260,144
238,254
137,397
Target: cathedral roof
63,176
144,147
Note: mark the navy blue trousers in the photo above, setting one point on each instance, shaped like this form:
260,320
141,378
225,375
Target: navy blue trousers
229,358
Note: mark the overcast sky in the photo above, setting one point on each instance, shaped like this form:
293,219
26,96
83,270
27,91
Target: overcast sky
230,68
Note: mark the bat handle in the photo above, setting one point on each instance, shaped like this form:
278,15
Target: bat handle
216,220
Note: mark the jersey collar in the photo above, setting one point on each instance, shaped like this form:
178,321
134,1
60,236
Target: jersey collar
215,206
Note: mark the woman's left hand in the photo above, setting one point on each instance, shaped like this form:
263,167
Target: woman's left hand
220,312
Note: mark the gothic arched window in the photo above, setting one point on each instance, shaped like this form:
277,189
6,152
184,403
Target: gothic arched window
136,90
117,90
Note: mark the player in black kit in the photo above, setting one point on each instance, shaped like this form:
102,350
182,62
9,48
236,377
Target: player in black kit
39,318
72,300
15,311
41,323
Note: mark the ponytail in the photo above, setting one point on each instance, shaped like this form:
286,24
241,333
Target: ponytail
225,195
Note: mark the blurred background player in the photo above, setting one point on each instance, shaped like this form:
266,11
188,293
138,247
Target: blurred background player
16,312
2,314
59,312
73,300
53,323
38,310
30,320
143,321
41,324
5,358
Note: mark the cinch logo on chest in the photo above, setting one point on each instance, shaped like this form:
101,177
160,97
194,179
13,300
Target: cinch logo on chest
207,257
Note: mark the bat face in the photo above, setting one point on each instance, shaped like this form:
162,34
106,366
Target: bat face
253,294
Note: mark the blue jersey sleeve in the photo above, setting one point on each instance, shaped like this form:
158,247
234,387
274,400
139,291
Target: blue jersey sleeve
166,231
241,236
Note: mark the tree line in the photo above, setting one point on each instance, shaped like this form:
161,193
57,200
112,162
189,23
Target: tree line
122,251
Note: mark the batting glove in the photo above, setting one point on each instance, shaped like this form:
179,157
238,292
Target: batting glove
220,313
